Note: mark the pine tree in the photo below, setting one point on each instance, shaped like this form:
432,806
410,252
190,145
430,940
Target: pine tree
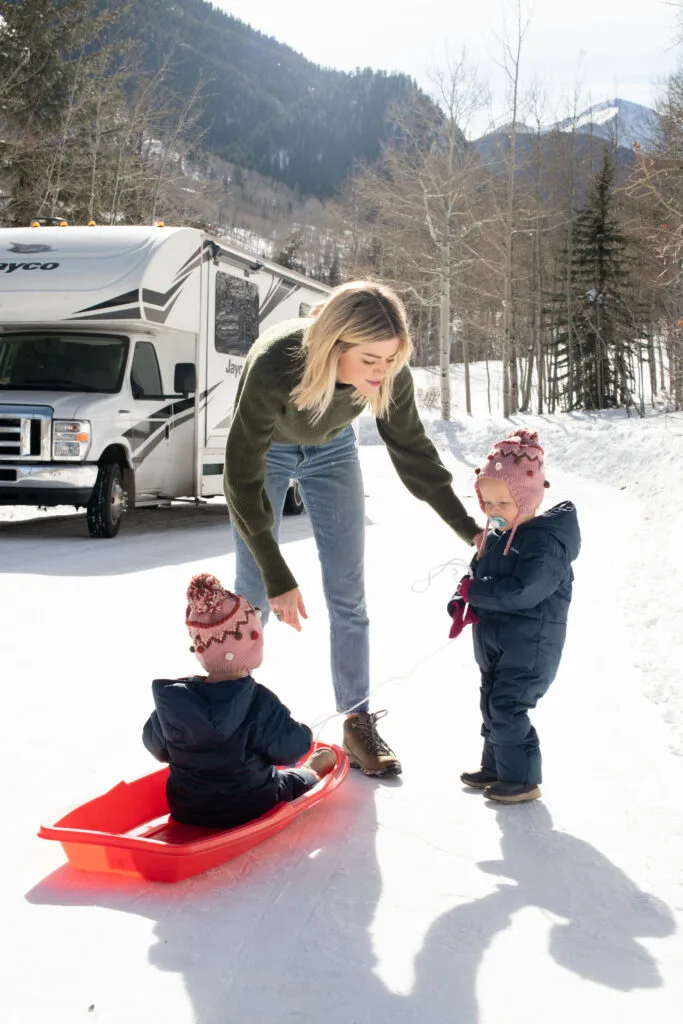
47,52
334,275
86,132
292,253
607,323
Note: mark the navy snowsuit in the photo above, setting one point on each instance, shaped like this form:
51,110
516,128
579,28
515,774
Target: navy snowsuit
222,741
522,600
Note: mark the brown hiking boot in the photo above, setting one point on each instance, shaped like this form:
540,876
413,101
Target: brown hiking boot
365,748
321,761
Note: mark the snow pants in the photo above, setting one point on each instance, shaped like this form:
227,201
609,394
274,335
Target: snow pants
294,782
518,660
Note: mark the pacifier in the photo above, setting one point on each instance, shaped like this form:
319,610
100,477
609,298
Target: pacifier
497,522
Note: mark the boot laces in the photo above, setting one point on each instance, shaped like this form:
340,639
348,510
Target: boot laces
367,727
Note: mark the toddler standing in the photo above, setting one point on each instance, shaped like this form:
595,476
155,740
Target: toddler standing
518,595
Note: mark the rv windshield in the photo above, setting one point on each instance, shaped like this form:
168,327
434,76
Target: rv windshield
46,361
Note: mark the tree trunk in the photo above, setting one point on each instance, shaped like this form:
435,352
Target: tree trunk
445,334
651,363
538,316
512,68
466,374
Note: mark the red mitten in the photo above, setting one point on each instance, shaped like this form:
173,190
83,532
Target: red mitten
457,609
461,612
471,618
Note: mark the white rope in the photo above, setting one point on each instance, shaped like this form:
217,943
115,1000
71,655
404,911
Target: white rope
319,723
459,565
418,588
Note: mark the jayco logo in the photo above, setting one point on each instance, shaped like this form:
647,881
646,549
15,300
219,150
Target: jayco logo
9,268
232,369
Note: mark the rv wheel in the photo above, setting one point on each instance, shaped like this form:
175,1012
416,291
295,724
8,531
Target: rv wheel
108,502
294,503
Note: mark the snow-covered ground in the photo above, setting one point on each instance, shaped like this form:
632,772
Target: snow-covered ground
409,900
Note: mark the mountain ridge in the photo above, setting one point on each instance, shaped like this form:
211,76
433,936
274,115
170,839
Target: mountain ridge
618,121
267,107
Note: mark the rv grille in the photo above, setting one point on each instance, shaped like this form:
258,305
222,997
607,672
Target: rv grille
25,432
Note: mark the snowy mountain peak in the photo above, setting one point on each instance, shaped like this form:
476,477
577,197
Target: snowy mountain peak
616,120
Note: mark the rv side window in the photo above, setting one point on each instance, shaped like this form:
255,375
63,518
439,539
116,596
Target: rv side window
145,378
237,315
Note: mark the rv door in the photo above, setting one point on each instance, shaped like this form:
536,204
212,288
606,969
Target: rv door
150,424
232,329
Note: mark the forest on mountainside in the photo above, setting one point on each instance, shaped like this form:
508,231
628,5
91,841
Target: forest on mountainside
264,106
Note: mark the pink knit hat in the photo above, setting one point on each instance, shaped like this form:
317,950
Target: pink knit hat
225,630
518,462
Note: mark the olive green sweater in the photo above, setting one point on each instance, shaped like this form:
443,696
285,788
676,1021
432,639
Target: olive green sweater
265,414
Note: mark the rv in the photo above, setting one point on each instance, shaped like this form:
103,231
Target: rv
120,353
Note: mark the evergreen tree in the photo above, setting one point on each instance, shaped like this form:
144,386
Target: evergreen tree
85,132
292,253
47,49
334,275
607,323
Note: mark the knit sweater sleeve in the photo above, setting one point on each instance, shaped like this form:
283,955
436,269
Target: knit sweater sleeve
258,403
416,460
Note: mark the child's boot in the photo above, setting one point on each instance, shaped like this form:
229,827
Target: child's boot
479,779
512,792
321,761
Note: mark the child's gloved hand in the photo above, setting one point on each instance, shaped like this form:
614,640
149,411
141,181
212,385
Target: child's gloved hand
461,612
457,610
463,590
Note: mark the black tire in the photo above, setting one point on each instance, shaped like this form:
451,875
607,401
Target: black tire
108,502
294,503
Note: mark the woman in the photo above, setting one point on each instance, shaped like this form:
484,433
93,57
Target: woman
303,384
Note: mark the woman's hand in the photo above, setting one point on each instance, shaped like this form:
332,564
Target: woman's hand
288,607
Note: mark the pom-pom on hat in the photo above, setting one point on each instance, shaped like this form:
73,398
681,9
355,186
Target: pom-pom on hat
226,631
517,462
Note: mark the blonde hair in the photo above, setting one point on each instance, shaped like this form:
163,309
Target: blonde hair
356,313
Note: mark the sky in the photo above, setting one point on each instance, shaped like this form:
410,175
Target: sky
609,47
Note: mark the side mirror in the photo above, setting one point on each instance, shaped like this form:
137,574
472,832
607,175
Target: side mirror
185,378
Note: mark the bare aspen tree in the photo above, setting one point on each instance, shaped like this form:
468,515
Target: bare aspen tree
459,95
419,200
571,198
536,289
181,133
656,185
512,64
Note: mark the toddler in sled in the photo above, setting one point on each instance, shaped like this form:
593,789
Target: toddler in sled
223,733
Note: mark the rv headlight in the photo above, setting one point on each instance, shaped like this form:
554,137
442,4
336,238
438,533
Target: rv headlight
70,439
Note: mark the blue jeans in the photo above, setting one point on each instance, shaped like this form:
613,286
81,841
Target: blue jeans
331,486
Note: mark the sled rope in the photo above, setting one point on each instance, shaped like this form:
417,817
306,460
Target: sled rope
457,564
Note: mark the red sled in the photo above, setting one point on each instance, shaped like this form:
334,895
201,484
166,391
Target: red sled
128,830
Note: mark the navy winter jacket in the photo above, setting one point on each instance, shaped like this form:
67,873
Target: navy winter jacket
222,741
522,598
